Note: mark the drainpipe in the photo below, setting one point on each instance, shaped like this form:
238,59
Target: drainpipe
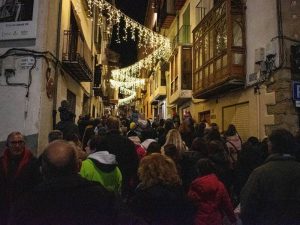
54,111
92,58
280,31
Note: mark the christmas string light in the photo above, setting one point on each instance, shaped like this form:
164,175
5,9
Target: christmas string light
126,74
128,78
127,100
114,16
127,84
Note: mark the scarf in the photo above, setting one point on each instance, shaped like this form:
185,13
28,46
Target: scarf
26,156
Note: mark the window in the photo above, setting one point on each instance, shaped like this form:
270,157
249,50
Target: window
214,44
186,67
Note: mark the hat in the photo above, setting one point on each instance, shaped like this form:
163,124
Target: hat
147,142
132,125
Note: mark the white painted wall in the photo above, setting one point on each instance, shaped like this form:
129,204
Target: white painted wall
17,112
261,27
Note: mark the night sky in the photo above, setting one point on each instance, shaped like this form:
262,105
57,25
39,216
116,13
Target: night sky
135,9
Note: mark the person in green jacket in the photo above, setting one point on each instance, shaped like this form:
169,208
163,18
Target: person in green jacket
101,166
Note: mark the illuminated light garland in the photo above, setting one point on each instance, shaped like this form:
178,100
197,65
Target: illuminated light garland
146,38
126,91
127,84
127,100
127,73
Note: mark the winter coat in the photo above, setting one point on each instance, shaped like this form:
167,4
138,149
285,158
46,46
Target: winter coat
162,205
126,156
188,167
69,129
271,195
212,201
17,176
234,146
70,200
102,167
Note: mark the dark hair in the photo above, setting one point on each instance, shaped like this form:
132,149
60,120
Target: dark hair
215,147
231,130
213,135
214,126
171,151
169,125
55,135
113,123
205,166
153,147
96,143
252,140
161,122
282,141
199,145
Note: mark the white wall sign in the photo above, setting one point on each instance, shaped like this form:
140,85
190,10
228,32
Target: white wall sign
18,19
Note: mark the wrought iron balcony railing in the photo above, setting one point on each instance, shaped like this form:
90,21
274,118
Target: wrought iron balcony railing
77,57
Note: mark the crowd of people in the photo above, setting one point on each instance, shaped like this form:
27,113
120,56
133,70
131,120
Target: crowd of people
129,171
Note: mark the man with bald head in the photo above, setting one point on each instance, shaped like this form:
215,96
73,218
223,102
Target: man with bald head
19,172
64,197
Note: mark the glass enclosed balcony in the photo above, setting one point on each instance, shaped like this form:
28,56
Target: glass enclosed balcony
219,50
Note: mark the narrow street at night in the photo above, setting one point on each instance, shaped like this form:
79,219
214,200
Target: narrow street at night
150,112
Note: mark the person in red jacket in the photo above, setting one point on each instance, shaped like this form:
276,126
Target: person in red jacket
210,196
19,173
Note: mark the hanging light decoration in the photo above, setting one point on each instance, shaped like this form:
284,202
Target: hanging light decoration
127,84
127,100
127,79
125,74
146,37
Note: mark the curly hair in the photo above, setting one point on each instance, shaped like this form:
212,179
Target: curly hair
158,169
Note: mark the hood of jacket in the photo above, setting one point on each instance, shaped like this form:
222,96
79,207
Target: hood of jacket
104,160
104,157
209,184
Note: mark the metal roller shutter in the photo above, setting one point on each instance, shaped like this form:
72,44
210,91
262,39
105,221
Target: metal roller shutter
239,116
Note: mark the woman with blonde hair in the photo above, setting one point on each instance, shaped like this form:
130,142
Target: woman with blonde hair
174,137
160,198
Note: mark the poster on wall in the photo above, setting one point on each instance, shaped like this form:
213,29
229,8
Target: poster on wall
18,19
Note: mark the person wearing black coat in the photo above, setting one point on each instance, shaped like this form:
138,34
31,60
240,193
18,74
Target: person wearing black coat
64,197
126,155
160,198
271,195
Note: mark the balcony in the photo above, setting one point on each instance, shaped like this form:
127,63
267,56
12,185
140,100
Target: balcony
183,37
166,14
97,81
181,75
219,50
160,91
77,57
179,4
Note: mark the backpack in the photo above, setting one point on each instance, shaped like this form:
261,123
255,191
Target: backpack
232,153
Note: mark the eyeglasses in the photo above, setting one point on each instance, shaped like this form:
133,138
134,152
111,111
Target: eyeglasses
17,142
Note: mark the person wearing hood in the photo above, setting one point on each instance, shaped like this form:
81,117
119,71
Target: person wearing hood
233,143
101,166
210,196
